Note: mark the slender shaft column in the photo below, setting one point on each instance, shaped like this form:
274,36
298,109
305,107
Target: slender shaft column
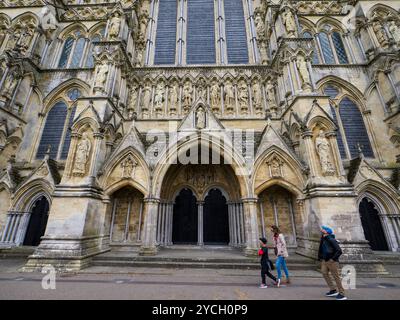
235,237
292,220
251,225
171,215
22,228
113,218
200,235
230,223
150,226
128,215
7,228
262,218
140,222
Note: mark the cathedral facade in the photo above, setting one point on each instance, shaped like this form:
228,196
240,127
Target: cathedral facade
155,123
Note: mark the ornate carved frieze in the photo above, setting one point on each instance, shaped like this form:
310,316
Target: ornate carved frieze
319,7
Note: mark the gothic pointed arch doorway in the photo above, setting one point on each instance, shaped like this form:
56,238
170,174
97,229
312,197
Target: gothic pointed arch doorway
216,218
37,222
185,218
372,226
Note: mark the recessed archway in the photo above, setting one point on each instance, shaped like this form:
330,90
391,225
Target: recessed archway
37,222
372,225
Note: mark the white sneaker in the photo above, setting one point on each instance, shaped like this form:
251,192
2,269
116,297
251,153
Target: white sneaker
263,286
278,283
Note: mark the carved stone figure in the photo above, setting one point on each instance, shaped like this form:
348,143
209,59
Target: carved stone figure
395,31
270,92
257,97
187,96
263,52
215,98
200,118
128,166
146,100
159,98
275,167
290,23
229,97
101,75
323,150
260,28
243,97
9,85
82,155
380,33
173,99
133,98
301,65
114,27
139,57
143,25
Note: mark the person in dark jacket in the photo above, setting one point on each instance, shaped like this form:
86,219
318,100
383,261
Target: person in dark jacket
329,253
266,264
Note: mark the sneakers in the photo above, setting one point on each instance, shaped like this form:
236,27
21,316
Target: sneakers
287,281
332,293
263,286
278,283
341,297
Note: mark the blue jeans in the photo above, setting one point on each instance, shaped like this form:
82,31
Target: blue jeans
281,262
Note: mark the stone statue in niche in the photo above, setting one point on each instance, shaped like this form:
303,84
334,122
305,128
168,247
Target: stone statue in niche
143,25
260,28
395,31
10,84
215,98
290,23
200,118
82,155
187,97
159,98
13,39
101,75
271,99
323,150
114,27
243,97
173,99
229,97
133,98
128,166
139,57
302,67
257,98
146,100
275,167
380,33
26,41
263,52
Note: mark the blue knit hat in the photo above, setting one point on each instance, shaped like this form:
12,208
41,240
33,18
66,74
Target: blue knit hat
327,229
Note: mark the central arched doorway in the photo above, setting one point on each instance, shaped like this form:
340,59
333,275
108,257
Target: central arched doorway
185,218
216,218
37,222
372,225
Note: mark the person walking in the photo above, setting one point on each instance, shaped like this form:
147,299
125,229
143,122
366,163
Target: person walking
281,254
266,264
329,253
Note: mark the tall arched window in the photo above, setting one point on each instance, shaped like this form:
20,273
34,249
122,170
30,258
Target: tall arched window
326,48
354,128
73,51
56,131
53,130
352,133
332,46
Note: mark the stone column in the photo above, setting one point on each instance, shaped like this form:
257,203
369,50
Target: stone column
251,225
230,223
200,234
151,206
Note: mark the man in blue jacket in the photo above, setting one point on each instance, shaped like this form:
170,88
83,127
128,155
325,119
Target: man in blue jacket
329,253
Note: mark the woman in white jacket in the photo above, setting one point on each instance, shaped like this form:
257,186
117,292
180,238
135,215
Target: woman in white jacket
281,253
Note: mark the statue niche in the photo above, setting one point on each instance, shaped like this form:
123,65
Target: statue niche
82,156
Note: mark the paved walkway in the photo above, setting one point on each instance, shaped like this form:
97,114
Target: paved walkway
166,284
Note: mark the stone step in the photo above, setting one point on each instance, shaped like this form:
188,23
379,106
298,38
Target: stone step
389,258
192,264
16,252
